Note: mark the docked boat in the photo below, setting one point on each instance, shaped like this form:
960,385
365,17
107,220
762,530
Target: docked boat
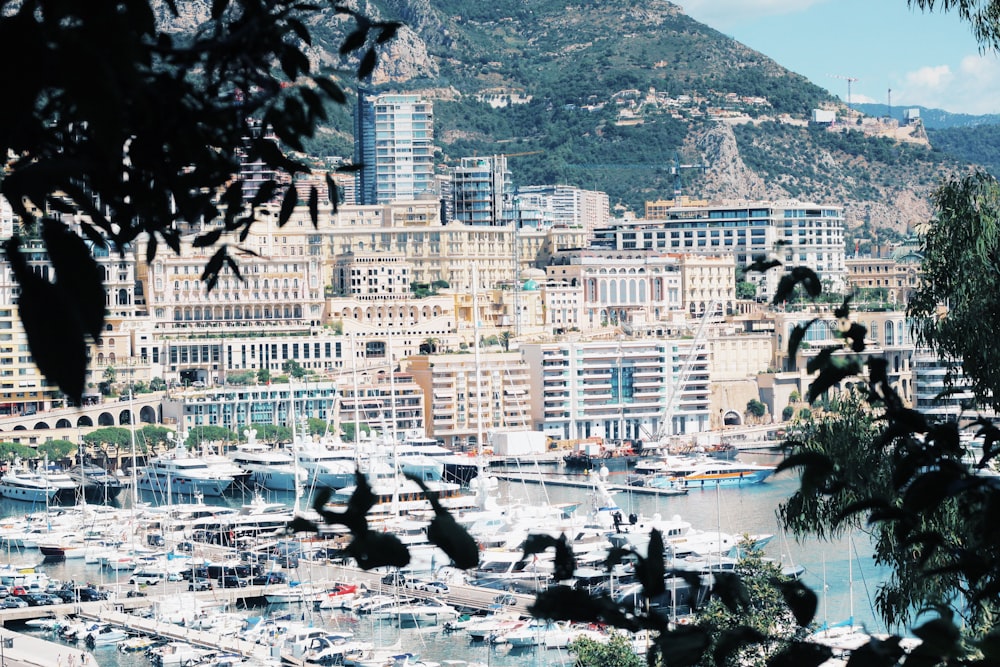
424,612
96,483
105,635
400,495
27,486
704,472
176,474
594,453
269,468
338,596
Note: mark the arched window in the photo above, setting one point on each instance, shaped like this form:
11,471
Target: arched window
889,333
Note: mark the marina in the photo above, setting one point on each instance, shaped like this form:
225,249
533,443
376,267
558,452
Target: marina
139,611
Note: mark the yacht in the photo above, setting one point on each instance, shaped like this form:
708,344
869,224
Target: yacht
458,468
178,474
703,471
269,468
66,487
27,486
97,484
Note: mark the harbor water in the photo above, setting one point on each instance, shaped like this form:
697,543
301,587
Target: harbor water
842,572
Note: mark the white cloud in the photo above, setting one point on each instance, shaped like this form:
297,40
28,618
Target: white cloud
726,14
973,86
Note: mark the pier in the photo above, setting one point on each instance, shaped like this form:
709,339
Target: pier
553,480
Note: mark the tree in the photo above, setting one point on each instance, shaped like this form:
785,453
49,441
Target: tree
240,377
763,610
109,435
264,375
616,652
746,290
982,14
154,436
505,340
10,451
201,435
294,369
110,375
756,409
349,428
960,249
157,384
56,449
135,129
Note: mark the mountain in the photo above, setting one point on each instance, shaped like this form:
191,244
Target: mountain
608,96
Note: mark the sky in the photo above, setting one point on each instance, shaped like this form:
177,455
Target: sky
925,59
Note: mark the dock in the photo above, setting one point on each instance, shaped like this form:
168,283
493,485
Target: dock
554,480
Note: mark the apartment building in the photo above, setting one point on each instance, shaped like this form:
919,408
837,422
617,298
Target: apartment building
628,389
468,396
394,141
796,233
620,287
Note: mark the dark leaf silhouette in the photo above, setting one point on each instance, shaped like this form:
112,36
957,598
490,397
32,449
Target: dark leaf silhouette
731,591
288,205
367,65
444,532
53,324
650,570
796,335
684,645
563,603
78,276
798,275
801,600
761,264
314,206
371,550
729,642
802,654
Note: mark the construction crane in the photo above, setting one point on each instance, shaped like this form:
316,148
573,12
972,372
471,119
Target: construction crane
675,171
850,80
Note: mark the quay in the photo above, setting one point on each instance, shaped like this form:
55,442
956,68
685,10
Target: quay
552,480
20,650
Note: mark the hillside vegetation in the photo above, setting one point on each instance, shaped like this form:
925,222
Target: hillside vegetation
604,95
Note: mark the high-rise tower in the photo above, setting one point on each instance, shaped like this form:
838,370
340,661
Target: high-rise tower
394,137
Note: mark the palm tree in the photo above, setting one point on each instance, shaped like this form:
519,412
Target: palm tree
430,344
505,340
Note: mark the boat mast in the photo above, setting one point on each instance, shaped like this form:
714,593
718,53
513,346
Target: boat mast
295,448
479,389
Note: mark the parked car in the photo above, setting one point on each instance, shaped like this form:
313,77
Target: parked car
394,579
269,578
89,594
436,587
505,599
65,595
4,592
231,581
200,585
12,602
36,599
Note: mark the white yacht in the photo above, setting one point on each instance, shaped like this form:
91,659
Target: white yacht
21,484
269,468
178,475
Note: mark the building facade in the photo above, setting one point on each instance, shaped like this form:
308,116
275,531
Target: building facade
619,389
796,233
468,396
394,143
